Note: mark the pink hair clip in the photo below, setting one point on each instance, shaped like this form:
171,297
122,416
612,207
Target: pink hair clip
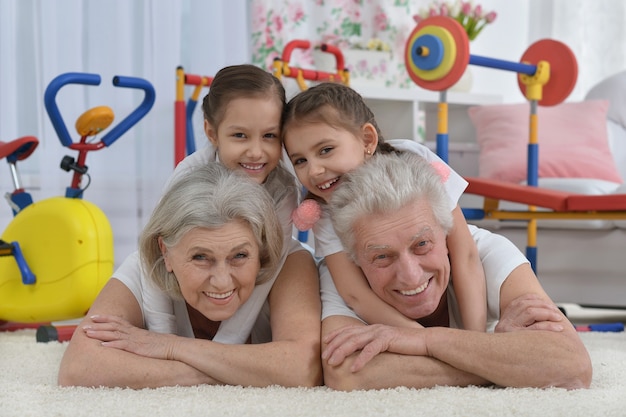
306,214
442,169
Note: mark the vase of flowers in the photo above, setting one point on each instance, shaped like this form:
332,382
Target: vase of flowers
471,17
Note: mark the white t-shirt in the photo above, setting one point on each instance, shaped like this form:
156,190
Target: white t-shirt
164,315
498,255
326,240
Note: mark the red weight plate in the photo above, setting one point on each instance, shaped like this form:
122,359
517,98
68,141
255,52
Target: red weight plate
462,53
563,69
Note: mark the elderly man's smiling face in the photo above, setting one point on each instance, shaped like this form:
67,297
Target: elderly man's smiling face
405,258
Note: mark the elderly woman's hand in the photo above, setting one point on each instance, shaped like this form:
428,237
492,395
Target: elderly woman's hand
531,312
115,332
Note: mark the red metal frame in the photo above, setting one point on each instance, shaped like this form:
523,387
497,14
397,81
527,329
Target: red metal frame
180,108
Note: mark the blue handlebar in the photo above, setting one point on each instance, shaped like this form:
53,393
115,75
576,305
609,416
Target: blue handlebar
94,79
138,113
49,99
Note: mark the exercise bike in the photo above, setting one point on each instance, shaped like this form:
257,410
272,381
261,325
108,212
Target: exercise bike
57,254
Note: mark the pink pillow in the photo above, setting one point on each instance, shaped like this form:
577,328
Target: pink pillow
573,141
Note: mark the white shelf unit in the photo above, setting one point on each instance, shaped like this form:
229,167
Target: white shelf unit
400,111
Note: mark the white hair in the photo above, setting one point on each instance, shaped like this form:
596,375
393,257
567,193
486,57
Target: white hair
385,184
209,197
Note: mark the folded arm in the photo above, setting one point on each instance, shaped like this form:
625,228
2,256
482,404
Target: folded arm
86,362
535,347
290,359
385,369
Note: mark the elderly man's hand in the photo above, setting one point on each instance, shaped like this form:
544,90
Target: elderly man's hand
531,312
372,340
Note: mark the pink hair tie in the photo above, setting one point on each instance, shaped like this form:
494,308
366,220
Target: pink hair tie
306,214
442,169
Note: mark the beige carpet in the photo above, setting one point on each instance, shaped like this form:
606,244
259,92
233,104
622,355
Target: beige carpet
28,388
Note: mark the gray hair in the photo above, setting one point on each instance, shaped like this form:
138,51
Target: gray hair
280,184
384,184
210,196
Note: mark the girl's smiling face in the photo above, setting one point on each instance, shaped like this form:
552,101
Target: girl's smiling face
321,154
248,136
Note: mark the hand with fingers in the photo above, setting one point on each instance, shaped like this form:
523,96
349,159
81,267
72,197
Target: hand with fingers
372,340
531,312
118,333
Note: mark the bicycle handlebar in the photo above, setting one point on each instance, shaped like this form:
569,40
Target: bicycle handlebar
49,100
138,113
94,79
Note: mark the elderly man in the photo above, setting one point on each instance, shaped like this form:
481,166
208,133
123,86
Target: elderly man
397,235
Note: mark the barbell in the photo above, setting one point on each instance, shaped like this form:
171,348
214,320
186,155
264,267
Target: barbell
437,54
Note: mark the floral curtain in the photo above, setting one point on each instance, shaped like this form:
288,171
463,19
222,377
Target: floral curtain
593,29
348,24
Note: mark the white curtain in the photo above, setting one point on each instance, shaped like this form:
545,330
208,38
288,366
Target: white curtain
42,39
594,30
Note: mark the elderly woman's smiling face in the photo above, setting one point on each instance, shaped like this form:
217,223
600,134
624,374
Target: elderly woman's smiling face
405,258
216,269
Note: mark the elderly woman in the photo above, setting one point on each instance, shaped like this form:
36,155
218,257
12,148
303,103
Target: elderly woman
211,239
397,235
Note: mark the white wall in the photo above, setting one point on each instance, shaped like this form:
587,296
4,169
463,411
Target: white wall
593,30
506,39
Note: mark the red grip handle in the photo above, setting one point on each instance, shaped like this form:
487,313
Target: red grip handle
332,49
291,45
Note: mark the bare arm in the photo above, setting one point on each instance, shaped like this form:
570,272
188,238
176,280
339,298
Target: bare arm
467,274
290,359
387,370
524,358
517,358
356,292
87,363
